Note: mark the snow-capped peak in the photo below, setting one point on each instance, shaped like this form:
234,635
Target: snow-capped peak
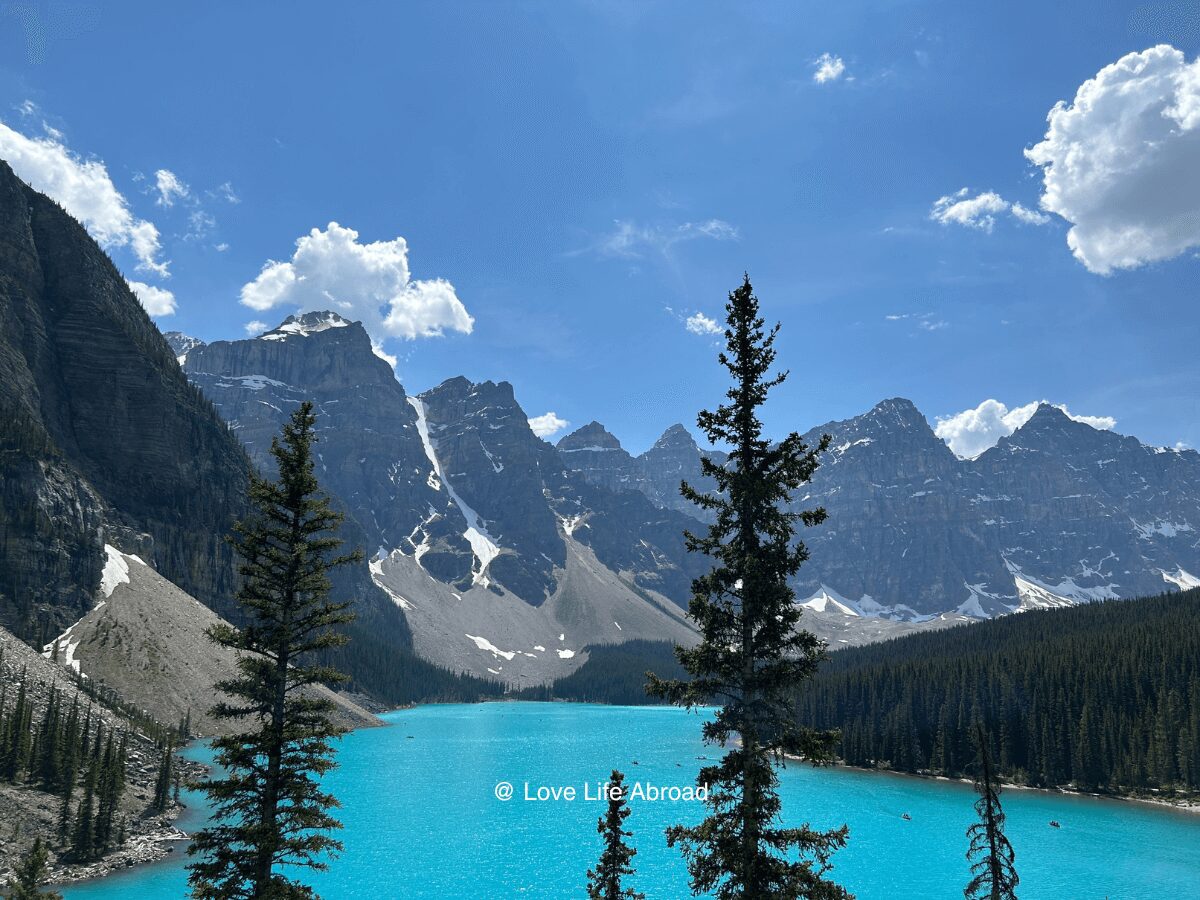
305,324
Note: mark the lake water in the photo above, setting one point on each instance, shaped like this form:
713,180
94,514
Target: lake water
422,819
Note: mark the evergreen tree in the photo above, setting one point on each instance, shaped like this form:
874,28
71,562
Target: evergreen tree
29,874
990,854
753,655
604,882
162,785
83,842
269,811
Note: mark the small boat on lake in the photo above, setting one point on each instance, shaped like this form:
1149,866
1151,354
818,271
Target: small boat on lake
906,817
1054,823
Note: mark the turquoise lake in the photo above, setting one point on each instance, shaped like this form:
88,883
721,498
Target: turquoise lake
422,819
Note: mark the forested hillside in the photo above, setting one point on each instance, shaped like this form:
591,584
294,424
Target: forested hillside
1103,697
614,673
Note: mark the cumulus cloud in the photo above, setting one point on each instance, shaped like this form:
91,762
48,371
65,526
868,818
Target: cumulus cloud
85,190
170,188
1119,161
702,324
255,327
981,211
632,240
547,424
332,269
972,431
828,67
156,300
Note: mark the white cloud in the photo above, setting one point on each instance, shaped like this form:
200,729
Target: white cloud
925,321
255,327
828,67
981,211
370,282
156,300
170,188
226,193
631,240
85,190
702,324
972,431
1119,161
547,424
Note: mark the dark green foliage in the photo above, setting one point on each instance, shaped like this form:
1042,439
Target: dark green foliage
753,655
29,874
162,784
605,882
397,676
613,673
50,757
269,810
990,854
1103,697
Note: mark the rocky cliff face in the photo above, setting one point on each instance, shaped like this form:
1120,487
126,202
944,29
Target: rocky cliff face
482,532
1057,513
369,451
675,457
101,436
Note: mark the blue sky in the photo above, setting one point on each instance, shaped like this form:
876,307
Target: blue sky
575,181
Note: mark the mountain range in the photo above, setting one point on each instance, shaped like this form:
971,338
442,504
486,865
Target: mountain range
509,555
492,551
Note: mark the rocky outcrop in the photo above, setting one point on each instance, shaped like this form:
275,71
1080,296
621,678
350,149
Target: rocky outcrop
101,435
147,641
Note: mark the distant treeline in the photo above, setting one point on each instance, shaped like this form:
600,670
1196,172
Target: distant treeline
1102,697
613,673
395,675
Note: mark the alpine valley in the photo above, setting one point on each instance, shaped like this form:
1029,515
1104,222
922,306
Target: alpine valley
492,552
509,556
495,561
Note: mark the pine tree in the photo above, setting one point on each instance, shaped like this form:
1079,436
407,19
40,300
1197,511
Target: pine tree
990,854
83,842
269,811
162,785
752,655
604,882
29,874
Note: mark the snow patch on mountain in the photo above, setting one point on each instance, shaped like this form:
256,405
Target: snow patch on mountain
826,599
1035,593
116,569
376,567
484,644
309,323
1147,530
1181,579
482,545
252,382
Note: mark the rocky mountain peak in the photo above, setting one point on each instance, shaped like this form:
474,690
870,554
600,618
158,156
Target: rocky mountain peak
307,323
592,436
896,412
181,344
676,437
